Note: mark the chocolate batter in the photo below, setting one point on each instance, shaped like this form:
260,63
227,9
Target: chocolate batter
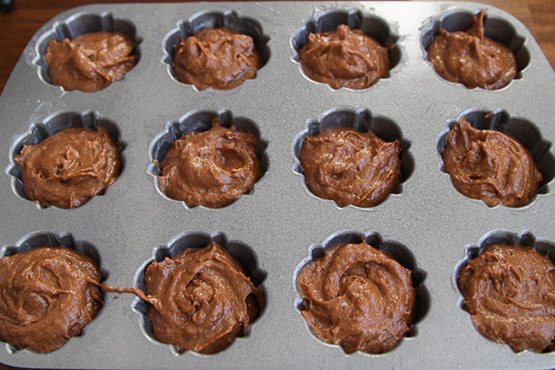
491,166
204,299
471,58
70,167
211,168
510,292
345,58
47,296
357,297
350,167
90,62
220,58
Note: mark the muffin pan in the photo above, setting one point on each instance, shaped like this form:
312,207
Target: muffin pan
281,219
77,25
216,19
517,128
51,125
327,21
361,120
496,28
241,252
393,249
197,121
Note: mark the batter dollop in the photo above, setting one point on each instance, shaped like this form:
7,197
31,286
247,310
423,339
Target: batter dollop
47,296
70,167
350,167
357,297
491,166
471,58
509,290
345,58
90,62
202,299
211,168
220,58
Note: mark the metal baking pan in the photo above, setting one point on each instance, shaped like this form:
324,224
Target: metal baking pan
281,221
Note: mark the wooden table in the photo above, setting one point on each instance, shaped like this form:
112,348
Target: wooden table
17,27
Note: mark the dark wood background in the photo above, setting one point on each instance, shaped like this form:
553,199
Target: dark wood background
17,27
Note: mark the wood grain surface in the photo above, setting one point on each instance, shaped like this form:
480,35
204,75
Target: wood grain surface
17,27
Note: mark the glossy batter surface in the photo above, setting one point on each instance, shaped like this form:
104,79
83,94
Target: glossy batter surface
203,299
471,58
70,167
357,297
211,168
47,296
220,58
491,166
350,167
510,293
345,58
90,62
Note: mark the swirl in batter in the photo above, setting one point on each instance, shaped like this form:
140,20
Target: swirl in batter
202,299
350,167
220,58
471,58
345,58
357,297
47,296
90,62
70,167
491,166
509,290
211,168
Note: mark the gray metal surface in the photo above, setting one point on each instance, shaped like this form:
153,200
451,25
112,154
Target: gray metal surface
280,220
